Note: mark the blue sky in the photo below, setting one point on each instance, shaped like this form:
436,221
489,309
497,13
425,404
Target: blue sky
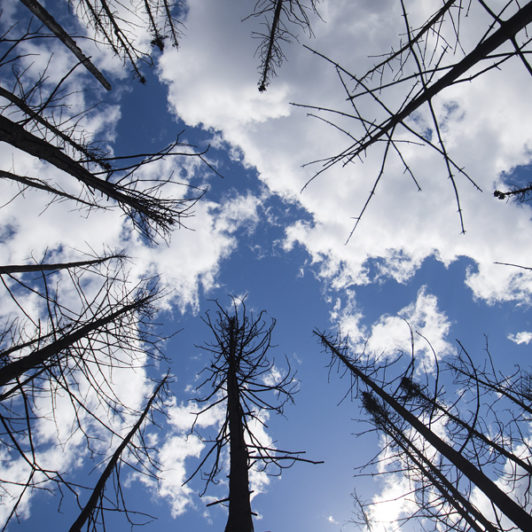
256,234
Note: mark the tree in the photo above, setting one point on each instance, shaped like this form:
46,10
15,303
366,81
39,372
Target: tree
71,328
114,23
36,118
421,68
241,377
71,357
96,503
407,414
280,16
46,18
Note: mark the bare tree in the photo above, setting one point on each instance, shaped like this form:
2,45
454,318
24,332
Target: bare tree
240,376
36,119
407,414
282,19
67,352
116,23
46,18
92,513
421,68
430,474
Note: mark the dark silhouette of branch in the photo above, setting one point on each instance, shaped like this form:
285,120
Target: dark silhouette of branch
46,18
514,511
420,65
95,503
280,17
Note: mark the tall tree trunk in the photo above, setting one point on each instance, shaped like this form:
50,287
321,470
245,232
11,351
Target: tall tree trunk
449,492
471,430
98,492
17,368
47,19
26,268
239,519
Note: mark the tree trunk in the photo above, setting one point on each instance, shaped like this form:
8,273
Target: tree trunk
18,367
448,491
239,519
47,19
98,491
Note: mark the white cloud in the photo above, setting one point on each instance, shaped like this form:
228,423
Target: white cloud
522,337
174,452
402,226
392,503
420,326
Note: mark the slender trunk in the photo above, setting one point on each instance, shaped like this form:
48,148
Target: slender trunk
33,182
23,106
239,519
17,368
98,491
49,21
506,32
271,43
497,387
17,136
450,493
25,268
474,432
508,507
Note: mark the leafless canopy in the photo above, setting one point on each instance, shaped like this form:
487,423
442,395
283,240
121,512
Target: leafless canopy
80,328
411,76
116,24
36,118
483,440
241,377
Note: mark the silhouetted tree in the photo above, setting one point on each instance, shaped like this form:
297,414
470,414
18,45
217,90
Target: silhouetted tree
282,19
422,67
240,376
36,119
407,415
46,18
92,514
115,24
71,327
429,474
65,348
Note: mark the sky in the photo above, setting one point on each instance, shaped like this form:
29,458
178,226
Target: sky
256,234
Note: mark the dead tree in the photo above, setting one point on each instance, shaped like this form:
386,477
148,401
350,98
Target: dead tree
93,512
452,501
36,119
114,23
515,387
240,376
46,18
421,68
282,19
382,403
68,354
